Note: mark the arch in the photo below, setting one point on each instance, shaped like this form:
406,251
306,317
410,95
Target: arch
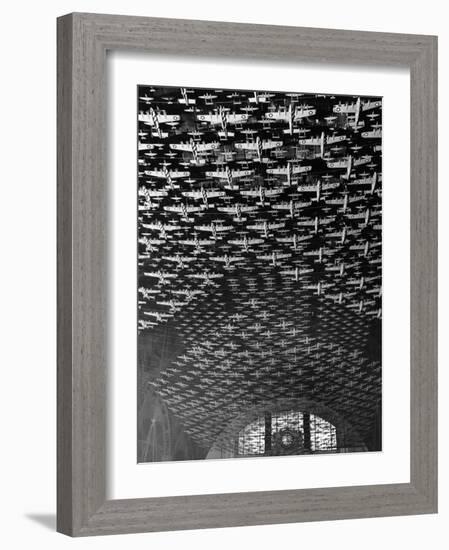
226,444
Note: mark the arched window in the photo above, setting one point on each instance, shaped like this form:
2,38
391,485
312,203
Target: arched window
287,432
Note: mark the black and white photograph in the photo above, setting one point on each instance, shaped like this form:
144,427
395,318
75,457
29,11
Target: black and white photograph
259,263
222,238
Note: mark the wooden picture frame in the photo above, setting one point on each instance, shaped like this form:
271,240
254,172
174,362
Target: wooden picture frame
83,40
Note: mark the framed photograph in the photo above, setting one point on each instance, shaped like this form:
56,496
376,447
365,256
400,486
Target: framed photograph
247,274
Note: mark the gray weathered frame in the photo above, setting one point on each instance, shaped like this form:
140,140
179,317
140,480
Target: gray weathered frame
83,40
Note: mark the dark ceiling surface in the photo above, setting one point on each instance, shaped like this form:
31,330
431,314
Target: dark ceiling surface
259,256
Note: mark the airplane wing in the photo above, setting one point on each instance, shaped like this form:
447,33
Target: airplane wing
307,188
145,146
372,134
179,174
273,192
271,144
229,259
236,118
193,194
302,113
217,174
181,146
362,160
278,115
168,118
284,239
276,225
203,228
156,193
156,173
301,169
337,164
241,173
283,170
145,117
213,119
326,186
150,226
248,145
207,146
345,108
213,194
335,139
282,206
250,192
309,141
367,106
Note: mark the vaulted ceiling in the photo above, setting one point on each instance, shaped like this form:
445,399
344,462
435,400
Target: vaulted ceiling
259,253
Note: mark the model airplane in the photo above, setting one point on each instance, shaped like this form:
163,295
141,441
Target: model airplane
204,194
274,257
207,277
295,240
290,169
297,272
237,210
246,242
163,276
215,228
196,149
153,118
228,174
262,193
185,100
265,227
322,141
227,260
259,146
184,210
292,206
